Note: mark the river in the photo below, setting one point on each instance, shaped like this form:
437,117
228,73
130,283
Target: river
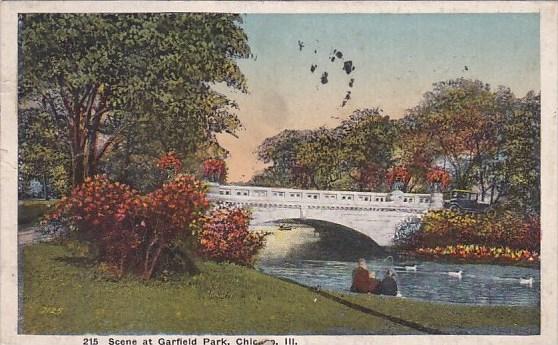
286,255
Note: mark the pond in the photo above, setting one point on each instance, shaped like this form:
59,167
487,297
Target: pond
479,284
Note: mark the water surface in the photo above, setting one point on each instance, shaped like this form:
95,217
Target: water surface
481,284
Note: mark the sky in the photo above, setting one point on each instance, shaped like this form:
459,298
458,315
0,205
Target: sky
397,58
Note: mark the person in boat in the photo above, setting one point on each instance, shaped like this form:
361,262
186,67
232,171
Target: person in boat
363,280
388,285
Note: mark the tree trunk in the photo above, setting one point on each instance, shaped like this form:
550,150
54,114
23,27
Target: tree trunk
481,182
84,118
150,266
77,170
45,194
91,163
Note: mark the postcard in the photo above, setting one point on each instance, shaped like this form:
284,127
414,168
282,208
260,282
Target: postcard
243,173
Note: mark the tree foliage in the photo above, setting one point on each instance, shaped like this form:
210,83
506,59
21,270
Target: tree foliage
458,122
367,147
520,171
353,155
489,140
133,85
461,135
42,155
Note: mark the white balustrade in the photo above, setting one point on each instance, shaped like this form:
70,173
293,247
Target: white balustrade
296,196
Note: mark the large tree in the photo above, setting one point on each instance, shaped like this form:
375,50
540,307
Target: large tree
367,145
133,82
319,163
457,122
520,170
280,151
353,155
488,139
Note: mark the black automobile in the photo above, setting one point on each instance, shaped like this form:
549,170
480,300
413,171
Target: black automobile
464,201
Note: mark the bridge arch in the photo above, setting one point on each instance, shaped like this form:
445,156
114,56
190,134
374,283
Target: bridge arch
311,239
336,233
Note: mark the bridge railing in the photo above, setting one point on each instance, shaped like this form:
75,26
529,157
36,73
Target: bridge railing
240,193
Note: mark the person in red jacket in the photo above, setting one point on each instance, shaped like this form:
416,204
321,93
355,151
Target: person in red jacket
363,280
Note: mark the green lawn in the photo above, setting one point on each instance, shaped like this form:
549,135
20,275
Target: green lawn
452,318
29,212
64,295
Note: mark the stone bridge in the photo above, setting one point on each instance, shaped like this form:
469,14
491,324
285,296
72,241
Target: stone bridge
375,215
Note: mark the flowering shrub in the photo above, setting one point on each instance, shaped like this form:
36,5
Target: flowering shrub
398,174
170,164
172,211
215,170
406,234
439,176
529,234
225,236
131,231
105,213
479,253
445,228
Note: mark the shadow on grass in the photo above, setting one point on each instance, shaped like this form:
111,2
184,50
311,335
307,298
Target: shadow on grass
174,261
77,261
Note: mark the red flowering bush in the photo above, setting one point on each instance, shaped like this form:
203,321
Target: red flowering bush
215,170
170,164
170,212
225,236
398,174
439,176
105,213
131,231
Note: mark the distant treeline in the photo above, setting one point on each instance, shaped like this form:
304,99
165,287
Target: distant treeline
481,138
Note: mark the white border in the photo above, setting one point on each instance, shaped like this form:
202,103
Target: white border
549,167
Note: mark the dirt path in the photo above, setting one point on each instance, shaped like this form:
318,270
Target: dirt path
29,235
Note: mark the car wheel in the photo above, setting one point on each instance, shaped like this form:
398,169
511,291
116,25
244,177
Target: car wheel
455,208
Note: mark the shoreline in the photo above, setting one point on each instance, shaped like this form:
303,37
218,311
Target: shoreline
58,289
410,254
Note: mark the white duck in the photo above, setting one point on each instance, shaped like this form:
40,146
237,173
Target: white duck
411,268
526,281
458,274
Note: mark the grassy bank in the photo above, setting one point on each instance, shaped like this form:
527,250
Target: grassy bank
63,294
451,318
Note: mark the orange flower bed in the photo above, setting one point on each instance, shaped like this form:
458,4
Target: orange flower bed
481,253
